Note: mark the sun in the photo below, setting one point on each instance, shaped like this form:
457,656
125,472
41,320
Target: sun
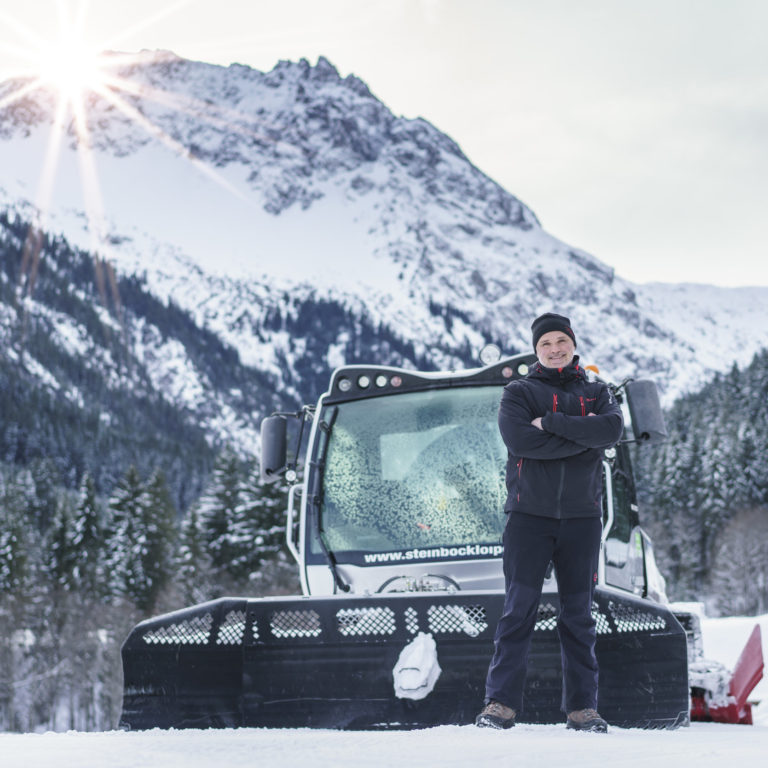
72,66
68,64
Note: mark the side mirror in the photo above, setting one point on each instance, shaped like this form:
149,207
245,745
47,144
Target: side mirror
274,431
645,411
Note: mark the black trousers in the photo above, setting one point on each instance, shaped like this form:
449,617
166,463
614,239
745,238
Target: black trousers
530,543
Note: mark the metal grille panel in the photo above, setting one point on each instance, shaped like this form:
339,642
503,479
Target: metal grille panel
411,620
445,619
365,621
546,619
295,624
195,631
629,619
232,630
602,625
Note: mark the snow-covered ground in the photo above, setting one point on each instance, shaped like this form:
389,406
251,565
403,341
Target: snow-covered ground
701,745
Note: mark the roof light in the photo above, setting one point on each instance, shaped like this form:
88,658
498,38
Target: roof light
344,384
363,381
507,372
381,380
396,381
522,369
490,354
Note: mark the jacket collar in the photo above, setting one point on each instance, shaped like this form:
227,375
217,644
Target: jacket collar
571,372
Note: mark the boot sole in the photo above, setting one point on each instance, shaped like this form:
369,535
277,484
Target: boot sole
587,727
497,723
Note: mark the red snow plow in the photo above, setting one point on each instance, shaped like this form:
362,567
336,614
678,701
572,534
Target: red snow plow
716,695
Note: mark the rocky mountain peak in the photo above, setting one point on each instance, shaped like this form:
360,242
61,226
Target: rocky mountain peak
247,198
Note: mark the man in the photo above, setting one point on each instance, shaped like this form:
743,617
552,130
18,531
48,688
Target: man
555,424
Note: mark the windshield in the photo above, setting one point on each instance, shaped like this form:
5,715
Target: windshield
421,469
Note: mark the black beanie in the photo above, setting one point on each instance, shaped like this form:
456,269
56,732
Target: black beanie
550,322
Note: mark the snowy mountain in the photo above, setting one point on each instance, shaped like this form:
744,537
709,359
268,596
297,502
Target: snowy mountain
292,216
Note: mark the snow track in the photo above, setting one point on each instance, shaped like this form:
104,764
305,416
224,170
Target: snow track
701,745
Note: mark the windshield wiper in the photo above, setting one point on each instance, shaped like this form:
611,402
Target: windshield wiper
316,498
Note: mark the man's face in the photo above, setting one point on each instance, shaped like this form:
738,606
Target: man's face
555,349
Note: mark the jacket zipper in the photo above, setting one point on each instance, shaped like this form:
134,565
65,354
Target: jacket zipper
519,478
561,482
583,409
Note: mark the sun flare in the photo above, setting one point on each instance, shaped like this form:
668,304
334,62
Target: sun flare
82,77
72,66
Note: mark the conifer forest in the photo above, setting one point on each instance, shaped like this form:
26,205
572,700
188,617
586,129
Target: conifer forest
78,570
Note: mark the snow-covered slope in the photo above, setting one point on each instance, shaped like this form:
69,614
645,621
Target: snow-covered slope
722,325
241,194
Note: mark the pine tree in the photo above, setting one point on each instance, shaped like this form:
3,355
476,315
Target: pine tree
260,523
159,532
126,507
43,504
61,559
193,569
89,537
142,545
219,510
16,558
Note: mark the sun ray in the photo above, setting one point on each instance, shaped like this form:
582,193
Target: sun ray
216,115
94,210
140,26
168,141
19,94
22,30
19,52
50,164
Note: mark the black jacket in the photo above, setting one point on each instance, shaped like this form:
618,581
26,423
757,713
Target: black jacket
557,471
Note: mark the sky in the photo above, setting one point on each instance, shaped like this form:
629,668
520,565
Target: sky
635,131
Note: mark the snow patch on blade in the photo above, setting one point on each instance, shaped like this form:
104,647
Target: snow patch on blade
417,668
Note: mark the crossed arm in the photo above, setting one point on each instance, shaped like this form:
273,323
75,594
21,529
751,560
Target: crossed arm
556,435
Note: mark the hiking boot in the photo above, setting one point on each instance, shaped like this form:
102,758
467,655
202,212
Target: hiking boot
586,720
495,715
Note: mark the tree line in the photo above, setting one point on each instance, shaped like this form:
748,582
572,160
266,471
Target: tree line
79,570
704,493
